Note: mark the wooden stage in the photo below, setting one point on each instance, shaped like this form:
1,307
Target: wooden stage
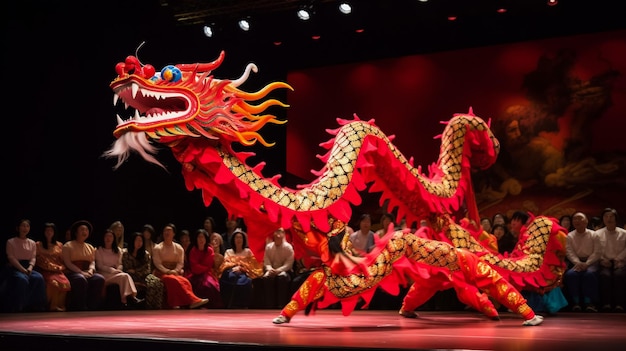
207,330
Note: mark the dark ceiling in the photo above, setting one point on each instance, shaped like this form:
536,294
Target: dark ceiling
390,27
173,29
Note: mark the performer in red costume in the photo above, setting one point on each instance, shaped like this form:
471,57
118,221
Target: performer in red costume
442,266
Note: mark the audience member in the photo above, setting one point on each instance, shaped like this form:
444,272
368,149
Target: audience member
118,230
50,265
278,263
401,226
217,244
385,220
612,262
506,240
184,239
239,268
499,218
209,226
565,221
68,235
485,223
24,289
137,262
518,221
202,276
79,257
169,259
148,233
109,264
232,223
583,253
363,240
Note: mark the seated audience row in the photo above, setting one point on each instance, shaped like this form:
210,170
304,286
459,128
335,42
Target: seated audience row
215,273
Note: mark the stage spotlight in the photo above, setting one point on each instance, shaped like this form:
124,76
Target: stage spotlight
208,31
345,8
304,14
244,25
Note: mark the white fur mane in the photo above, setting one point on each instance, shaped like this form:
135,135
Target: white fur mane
129,142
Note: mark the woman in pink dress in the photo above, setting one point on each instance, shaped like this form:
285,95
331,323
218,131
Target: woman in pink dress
201,259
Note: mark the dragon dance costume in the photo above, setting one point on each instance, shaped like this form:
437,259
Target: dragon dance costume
432,265
199,117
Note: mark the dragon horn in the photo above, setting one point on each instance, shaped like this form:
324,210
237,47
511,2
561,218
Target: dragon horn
202,67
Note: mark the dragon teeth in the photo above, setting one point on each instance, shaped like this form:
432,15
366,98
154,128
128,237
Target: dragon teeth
135,88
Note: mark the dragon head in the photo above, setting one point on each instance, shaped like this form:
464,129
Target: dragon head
185,101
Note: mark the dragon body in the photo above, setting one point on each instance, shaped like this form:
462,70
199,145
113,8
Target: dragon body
199,117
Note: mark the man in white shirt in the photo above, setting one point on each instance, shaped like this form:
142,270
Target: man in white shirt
583,253
277,263
612,262
363,240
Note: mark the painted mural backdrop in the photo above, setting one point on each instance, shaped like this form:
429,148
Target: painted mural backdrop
548,162
558,107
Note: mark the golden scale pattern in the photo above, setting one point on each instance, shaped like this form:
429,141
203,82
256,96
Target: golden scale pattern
442,255
331,185
428,252
534,251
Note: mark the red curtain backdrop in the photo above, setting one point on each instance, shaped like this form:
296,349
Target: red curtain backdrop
565,95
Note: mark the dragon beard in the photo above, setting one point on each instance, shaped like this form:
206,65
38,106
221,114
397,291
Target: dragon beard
137,142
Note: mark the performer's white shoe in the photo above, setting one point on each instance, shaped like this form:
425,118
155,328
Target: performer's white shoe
408,314
280,320
536,320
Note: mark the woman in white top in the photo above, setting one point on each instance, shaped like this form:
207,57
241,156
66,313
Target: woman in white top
109,264
22,287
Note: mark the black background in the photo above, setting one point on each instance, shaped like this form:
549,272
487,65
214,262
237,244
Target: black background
59,58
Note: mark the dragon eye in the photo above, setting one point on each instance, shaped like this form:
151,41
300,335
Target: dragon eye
171,73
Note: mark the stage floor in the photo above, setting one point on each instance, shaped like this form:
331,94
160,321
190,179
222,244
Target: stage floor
204,329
